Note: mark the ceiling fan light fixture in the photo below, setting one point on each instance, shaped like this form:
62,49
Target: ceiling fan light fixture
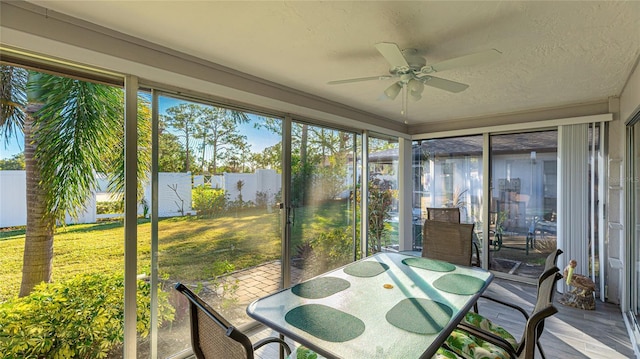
392,91
416,85
415,89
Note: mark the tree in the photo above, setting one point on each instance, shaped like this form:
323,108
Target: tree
218,128
238,160
270,158
213,126
183,119
72,129
14,163
379,205
320,158
13,100
171,154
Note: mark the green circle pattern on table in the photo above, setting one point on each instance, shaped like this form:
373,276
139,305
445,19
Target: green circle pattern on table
459,284
420,315
320,287
366,269
429,264
325,322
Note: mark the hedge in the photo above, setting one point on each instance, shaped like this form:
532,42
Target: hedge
79,318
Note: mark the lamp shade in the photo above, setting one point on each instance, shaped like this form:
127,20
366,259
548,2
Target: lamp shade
392,91
415,89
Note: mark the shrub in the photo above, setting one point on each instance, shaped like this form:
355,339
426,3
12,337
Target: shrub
209,201
327,251
224,286
108,207
262,199
78,318
380,199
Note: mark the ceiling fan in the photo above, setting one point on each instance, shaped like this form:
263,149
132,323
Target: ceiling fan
413,73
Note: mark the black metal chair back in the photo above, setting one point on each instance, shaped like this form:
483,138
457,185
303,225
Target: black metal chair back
544,299
213,337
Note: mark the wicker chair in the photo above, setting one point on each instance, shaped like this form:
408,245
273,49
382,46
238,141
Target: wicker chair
453,215
446,241
444,214
212,337
475,323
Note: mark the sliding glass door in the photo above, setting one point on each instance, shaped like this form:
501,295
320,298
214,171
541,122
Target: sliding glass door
523,207
322,211
232,223
448,173
219,233
383,208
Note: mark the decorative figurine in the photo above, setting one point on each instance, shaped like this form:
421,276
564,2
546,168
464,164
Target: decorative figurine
581,296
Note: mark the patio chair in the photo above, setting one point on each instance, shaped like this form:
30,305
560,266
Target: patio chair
469,341
546,288
552,260
444,214
213,337
446,241
453,215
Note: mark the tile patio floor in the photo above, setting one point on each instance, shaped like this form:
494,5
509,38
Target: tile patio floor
261,280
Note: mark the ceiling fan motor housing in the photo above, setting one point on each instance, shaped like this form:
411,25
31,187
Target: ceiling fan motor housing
415,62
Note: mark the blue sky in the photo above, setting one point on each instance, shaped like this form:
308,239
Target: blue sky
258,139
15,146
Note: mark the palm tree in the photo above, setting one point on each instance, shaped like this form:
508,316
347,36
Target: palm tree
72,129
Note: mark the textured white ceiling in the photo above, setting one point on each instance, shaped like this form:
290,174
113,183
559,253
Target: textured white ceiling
554,53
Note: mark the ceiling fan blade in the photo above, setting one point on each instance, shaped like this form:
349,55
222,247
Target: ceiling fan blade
392,53
467,60
443,84
337,82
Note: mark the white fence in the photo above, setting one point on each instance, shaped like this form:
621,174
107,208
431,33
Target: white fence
266,182
13,198
174,194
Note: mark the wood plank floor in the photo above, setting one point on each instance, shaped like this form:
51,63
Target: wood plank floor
571,333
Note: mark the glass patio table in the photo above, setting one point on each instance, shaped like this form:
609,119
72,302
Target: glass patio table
389,305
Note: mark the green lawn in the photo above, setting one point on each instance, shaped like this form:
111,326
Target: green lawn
189,247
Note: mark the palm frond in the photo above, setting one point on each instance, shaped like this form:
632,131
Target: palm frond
117,157
73,130
13,100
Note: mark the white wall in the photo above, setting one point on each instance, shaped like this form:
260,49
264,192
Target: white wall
269,182
87,216
170,201
630,97
13,198
629,104
198,180
13,202
266,181
217,181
